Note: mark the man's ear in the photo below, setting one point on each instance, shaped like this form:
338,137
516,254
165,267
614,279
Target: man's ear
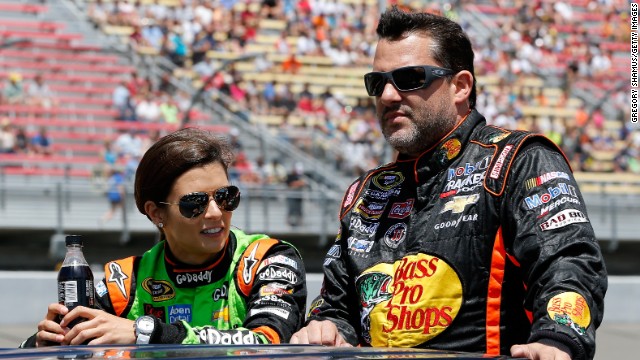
463,82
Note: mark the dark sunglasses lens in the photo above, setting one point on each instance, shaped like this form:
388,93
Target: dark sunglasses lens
192,205
374,83
409,78
227,198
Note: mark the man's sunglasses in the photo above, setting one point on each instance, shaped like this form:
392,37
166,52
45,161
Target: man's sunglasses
406,78
196,203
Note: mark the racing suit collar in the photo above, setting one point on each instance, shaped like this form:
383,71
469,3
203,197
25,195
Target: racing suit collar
207,273
446,151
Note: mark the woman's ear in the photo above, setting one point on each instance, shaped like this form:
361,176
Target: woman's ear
155,213
463,82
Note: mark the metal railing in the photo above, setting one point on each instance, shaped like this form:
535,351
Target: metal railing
63,207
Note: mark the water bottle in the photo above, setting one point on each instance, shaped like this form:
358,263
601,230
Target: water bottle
75,278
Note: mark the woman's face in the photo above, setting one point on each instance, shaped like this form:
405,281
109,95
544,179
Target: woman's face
200,239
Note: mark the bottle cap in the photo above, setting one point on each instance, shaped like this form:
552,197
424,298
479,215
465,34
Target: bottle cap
73,240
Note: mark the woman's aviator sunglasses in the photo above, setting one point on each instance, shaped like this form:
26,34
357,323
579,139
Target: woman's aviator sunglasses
406,78
196,203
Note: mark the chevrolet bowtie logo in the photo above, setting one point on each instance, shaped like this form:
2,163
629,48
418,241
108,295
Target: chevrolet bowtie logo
459,203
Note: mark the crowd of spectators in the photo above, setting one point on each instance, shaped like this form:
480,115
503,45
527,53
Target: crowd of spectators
556,40
536,38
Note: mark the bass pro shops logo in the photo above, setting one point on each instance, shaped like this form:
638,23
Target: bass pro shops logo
570,309
409,302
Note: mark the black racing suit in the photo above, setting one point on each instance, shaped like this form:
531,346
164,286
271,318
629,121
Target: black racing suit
480,243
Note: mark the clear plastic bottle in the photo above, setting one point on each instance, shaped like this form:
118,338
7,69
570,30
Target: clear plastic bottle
75,278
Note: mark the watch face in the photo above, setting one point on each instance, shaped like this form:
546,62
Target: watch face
145,324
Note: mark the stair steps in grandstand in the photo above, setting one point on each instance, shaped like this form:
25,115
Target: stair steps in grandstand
71,68
17,7
62,109
62,55
41,26
114,125
69,79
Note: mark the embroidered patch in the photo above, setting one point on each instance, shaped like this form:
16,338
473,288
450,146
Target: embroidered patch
570,309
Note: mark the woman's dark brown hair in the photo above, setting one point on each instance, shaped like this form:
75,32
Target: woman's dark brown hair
172,156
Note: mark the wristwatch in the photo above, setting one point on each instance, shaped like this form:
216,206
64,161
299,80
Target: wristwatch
144,327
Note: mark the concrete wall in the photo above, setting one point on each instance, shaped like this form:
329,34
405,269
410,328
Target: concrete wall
26,294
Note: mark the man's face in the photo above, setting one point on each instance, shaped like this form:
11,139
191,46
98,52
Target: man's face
413,121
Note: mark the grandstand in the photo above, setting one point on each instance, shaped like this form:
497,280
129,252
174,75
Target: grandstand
240,76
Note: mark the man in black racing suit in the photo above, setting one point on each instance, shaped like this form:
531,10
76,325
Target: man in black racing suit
478,241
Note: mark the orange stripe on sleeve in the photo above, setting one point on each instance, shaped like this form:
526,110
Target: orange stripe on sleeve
271,334
494,295
250,261
118,278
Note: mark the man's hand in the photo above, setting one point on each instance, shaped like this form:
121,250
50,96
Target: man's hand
100,328
321,333
49,331
539,351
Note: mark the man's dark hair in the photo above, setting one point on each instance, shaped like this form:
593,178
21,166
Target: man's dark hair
453,48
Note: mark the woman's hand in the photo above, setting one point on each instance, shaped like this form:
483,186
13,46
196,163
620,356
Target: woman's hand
49,331
99,328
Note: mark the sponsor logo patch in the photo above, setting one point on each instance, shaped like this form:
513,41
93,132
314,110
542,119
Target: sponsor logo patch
552,192
387,180
221,315
334,253
409,302
451,148
221,292
395,235
314,308
362,227
468,168
210,335
459,203
539,180
275,289
369,209
498,137
179,313
157,311
564,218
160,290
118,277
382,195
358,245
278,259
563,200
275,272
495,172
101,289
455,223
194,279
249,262
271,310
350,194
401,210
570,309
